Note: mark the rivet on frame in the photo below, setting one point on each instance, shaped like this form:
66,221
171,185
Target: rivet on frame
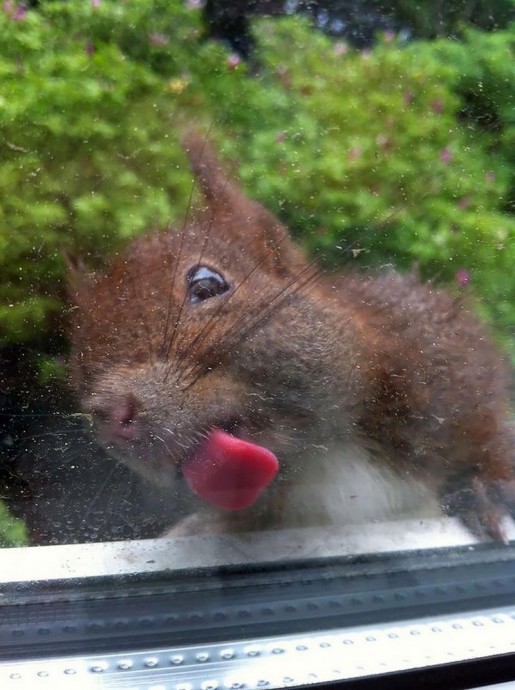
209,685
100,667
125,664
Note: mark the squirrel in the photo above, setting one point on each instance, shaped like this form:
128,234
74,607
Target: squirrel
283,394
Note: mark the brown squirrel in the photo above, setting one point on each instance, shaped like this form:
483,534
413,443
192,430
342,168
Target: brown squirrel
285,396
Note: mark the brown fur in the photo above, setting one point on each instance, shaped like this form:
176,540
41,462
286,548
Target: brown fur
302,361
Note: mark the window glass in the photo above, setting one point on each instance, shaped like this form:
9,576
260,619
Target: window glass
257,293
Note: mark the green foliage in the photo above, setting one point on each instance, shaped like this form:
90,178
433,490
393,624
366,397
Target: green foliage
382,153
89,154
485,81
404,152
12,530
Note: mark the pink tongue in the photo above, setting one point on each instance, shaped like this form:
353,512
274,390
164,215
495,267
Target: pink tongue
228,472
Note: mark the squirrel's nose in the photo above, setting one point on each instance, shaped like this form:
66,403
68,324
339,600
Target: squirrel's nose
119,418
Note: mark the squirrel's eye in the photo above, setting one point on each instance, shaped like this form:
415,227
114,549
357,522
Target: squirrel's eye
204,283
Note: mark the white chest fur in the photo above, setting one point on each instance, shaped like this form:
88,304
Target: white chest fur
343,487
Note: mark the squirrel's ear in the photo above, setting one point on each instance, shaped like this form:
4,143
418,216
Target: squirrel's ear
238,215
219,192
77,275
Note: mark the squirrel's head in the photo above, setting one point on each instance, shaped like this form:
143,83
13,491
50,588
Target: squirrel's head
195,337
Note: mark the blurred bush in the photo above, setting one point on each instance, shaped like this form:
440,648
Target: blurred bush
12,530
400,154
404,152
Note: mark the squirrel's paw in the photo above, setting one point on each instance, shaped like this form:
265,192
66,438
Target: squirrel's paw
479,506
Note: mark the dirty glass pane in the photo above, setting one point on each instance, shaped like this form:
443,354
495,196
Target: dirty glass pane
256,276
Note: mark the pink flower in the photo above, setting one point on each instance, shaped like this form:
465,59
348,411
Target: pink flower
446,156
437,106
355,153
340,48
158,39
90,48
280,138
233,61
464,203
19,14
389,36
95,3
15,12
490,176
462,277
382,140
409,98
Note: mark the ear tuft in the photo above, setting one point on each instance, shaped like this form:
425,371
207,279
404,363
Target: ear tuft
77,273
213,179
245,219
